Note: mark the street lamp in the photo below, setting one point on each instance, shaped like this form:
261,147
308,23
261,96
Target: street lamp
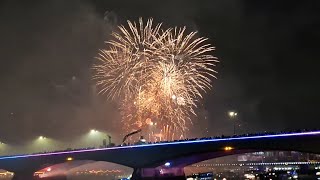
94,136
228,148
232,116
93,131
42,137
69,158
100,134
41,143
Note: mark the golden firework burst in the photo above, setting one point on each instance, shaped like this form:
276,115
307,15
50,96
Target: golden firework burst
158,75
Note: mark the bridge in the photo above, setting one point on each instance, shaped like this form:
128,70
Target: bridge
165,160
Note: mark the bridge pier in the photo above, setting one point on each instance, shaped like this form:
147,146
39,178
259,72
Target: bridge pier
175,173
23,175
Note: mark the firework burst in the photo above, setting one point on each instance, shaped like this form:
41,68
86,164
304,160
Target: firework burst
158,75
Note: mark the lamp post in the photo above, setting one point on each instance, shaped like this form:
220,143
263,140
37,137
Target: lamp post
41,143
92,131
42,137
93,138
232,116
100,134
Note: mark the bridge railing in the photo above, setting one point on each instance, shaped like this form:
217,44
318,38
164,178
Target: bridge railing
193,139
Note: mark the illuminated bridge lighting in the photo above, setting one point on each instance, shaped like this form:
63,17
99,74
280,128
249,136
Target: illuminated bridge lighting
98,171
167,164
69,159
165,144
228,148
259,164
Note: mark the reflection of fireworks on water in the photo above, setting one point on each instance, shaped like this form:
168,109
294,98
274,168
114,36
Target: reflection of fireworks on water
158,75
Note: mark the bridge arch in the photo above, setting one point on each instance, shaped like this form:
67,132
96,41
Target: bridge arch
205,149
72,168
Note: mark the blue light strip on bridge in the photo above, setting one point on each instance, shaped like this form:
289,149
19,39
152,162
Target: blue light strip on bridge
163,144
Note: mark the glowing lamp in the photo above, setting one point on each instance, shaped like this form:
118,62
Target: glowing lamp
93,131
167,164
228,148
232,114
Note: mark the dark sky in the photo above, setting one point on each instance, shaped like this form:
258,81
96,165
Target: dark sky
269,53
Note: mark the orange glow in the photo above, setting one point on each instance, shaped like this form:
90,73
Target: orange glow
69,159
228,148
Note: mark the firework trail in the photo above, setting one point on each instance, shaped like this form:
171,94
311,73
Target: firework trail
157,74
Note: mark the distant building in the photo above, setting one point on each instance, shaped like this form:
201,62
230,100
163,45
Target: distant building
277,156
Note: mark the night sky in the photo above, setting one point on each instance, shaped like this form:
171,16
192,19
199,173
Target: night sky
269,53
